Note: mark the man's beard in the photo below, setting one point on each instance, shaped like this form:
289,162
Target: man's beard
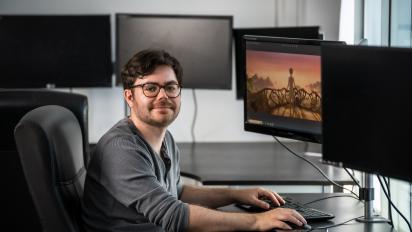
164,121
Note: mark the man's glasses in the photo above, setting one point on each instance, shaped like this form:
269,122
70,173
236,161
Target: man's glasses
151,90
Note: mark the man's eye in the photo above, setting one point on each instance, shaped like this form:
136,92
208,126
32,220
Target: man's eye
151,88
171,88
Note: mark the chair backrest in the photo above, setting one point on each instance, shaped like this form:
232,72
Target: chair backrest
49,144
14,103
15,198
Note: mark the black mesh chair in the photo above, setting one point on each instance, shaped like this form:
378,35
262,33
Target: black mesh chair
14,103
50,147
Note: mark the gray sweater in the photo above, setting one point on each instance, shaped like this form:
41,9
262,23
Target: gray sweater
129,187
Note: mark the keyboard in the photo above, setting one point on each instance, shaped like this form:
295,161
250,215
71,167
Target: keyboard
310,214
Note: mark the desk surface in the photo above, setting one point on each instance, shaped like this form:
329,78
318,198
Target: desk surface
344,209
254,164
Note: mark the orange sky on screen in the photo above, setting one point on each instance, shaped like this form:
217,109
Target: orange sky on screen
306,68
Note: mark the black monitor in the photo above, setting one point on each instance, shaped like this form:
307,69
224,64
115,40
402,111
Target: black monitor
202,44
367,121
309,32
282,92
57,51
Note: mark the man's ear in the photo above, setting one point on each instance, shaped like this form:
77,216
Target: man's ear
128,97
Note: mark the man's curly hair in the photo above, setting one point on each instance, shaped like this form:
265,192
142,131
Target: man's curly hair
145,62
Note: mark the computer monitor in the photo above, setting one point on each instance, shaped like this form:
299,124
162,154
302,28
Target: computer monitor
202,44
367,109
308,32
282,92
38,51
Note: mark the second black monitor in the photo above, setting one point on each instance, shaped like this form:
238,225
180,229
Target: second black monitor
309,32
202,44
367,108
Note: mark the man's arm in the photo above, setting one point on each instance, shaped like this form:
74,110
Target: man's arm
218,197
203,219
207,197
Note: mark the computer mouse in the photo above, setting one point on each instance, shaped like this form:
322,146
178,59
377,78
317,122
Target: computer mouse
296,227
306,227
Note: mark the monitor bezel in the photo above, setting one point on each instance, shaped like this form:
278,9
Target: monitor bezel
279,130
228,84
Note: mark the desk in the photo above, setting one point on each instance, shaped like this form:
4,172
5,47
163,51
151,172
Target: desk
344,208
254,164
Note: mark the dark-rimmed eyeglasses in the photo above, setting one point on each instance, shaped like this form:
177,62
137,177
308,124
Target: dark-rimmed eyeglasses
151,90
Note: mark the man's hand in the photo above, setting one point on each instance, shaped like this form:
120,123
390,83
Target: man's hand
254,197
278,218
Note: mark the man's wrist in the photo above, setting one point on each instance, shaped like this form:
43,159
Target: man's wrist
255,222
233,195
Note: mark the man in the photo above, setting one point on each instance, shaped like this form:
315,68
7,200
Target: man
133,180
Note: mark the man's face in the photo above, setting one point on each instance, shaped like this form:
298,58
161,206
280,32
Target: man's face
158,111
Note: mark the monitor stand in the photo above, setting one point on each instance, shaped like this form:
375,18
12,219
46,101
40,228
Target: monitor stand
367,195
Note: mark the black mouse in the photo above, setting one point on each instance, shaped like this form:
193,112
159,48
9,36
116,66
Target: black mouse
296,227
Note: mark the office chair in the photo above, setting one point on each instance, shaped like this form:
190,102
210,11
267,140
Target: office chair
49,144
15,198
14,103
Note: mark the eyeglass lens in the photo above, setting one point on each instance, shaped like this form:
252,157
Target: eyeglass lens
153,89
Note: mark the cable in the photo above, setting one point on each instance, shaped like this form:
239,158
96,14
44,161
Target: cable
410,200
335,225
352,176
325,198
316,167
388,188
393,205
194,116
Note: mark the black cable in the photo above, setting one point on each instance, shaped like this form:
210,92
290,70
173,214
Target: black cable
388,187
352,176
325,198
194,116
314,165
335,225
389,206
410,201
393,205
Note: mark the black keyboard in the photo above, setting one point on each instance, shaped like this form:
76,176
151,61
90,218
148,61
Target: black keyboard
310,214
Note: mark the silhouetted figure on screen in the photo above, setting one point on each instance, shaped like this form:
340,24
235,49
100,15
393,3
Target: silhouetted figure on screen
291,88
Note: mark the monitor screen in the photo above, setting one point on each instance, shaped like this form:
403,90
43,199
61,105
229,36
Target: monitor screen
366,109
57,51
202,44
282,92
310,32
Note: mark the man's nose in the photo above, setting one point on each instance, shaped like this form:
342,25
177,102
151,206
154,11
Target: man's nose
162,93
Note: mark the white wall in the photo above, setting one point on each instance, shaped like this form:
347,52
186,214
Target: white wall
220,115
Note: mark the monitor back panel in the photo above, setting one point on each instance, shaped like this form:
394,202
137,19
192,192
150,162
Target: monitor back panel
367,121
